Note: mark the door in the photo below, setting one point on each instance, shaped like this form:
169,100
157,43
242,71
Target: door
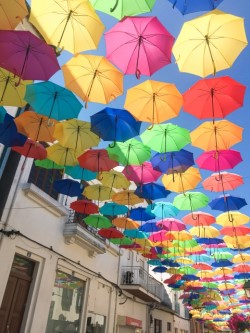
16,294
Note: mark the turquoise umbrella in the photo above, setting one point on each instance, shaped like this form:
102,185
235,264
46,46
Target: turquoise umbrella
2,114
113,209
77,172
164,209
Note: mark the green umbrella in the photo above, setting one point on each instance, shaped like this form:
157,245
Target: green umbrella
222,255
210,285
121,8
97,221
48,164
166,137
191,201
187,270
187,244
129,152
121,241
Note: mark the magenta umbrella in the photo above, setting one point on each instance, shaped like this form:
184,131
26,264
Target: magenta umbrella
171,224
141,174
217,160
139,45
27,56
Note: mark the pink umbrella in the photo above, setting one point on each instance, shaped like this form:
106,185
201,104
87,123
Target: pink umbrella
158,236
140,45
141,174
223,181
171,224
217,160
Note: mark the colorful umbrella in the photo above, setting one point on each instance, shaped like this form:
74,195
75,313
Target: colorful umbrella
127,198
121,8
129,152
98,192
164,209
149,226
12,13
97,221
235,231
27,56
141,174
114,125
190,201
62,155
69,25
32,149
214,97
93,78
96,160
171,224
69,187
2,114
114,179
139,45
125,223
9,136
140,214
227,202
113,209
152,191
241,258
223,181
226,219
153,101
209,43
48,164
166,138
219,160
217,135
192,6
110,233
197,219
84,207
208,231
77,172
52,100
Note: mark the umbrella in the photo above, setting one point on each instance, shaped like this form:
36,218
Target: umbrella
135,233
219,160
171,224
241,258
121,8
129,152
244,268
124,242
110,233
237,242
181,182
149,226
62,155
141,174
35,126
140,214
12,93
9,136
93,78
125,223
214,97
164,209
209,43
12,12
97,221
96,160
139,45
216,135
152,191
190,201
52,100
153,101
69,187
31,149
208,231
175,161
97,192
114,125
84,207
192,6
227,202
27,56
48,164
198,218
75,133
235,231
77,172
114,179
223,181
2,114
166,138
69,25
113,209
202,266
127,198
226,219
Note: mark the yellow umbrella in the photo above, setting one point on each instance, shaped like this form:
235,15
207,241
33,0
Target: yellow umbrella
71,25
62,155
12,12
216,135
126,197
114,179
181,182
223,271
209,43
204,232
184,261
97,192
12,94
76,134
205,274
144,242
125,223
153,101
236,219
226,285
182,235
239,242
241,258
93,78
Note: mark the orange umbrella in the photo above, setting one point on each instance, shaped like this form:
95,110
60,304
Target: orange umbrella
223,181
218,135
36,126
127,198
125,223
153,101
12,12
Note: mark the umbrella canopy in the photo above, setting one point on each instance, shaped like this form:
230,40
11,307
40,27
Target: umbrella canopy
227,202
48,164
113,209
141,174
93,78
226,219
127,198
235,231
223,181
69,187
139,45
164,209
241,258
114,179
97,221
110,233
209,43
166,138
31,149
129,152
63,155
98,192
153,101
152,191
77,172
217,135
84,207
115,125
96,160
12,13
190,201
27,56
197,219
125,223
208,232
214,97
140,214
11,90
192,6
121,8
69,25
149,226
52,100
171,224
9,136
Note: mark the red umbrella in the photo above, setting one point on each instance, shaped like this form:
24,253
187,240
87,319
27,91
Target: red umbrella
96,160
235,231
223,181
214,97
84,207
174,278
202,266
27,56
110,233
32,149
139,45
242,268
217,160
198,218
141,174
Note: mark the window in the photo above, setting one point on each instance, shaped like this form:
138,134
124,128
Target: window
95,323
157,326
169,326
66,304
176,330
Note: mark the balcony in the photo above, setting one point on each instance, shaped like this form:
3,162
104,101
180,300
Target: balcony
139,283
77,232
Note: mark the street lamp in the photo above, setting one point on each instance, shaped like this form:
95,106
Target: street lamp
246,287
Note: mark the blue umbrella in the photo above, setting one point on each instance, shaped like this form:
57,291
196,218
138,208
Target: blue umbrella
77,172
152,191
115,125
159,269
245,276
209,241
176,161
9,135
163,209
149,226
227,202
222,263
170,263
190,277
52,100
192,6
2,114
113,209
140,214
68,187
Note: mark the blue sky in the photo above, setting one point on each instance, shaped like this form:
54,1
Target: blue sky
240,71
